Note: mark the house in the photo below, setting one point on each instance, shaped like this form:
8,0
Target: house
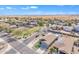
67,28
47,40
13,26
64,44
57,27
76,28
33,23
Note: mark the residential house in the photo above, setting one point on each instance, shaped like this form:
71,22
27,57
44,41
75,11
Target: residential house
13,26
64,44
67,28
47,40
76,28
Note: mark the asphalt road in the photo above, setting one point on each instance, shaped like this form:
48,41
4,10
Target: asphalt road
20,47
28,40
11,51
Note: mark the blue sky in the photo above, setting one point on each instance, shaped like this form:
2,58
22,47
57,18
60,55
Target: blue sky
38,9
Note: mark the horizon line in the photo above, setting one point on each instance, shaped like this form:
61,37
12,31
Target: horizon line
45,15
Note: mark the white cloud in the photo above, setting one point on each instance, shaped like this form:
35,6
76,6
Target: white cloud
29,7
34,7
25,8
8,8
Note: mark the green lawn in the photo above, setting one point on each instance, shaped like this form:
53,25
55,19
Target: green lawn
37,45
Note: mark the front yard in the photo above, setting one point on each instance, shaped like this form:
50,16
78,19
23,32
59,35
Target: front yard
37,45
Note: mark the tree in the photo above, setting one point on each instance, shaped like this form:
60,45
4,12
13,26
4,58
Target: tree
53,50
11,21
40,23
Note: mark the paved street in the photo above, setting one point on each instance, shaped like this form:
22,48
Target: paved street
27,41
20,47
11,51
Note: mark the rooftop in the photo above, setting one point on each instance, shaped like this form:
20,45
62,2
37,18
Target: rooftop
65,44
49,38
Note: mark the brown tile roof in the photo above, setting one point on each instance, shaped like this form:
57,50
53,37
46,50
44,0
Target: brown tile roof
49,38
66,45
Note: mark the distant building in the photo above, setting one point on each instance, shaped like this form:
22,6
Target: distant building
33,23
76,28
57,27
67,28
13,26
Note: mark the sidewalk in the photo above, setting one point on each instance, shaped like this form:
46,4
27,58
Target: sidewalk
40,51
31,44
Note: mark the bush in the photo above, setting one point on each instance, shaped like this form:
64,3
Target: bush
24,32
53,50
40,23
37,45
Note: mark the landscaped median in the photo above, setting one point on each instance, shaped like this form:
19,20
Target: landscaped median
23,32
